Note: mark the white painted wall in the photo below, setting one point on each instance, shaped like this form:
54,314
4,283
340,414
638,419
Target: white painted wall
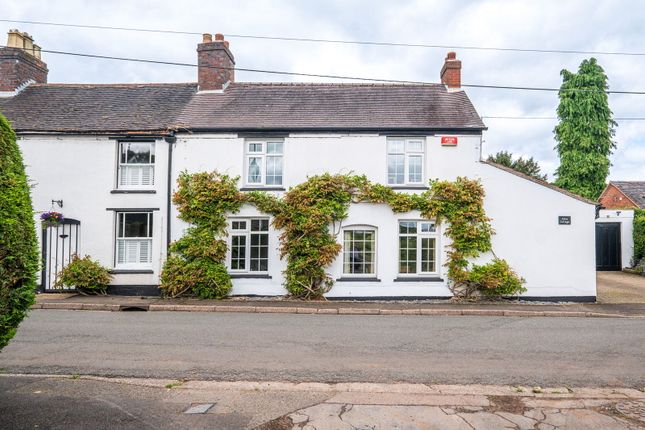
626,219
81,170
555,260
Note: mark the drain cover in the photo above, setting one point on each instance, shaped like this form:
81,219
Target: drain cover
200,408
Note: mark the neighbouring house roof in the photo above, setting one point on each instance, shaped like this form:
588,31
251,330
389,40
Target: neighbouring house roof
91,108
541,182
634,190
148,108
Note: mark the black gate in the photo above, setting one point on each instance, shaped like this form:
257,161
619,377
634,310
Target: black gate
58,245
608,246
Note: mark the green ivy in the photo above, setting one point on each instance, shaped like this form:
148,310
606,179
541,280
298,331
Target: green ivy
639,237
304,216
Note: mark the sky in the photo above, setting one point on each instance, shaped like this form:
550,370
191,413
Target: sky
609,25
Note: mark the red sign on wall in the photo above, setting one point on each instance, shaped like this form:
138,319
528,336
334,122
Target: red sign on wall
449,141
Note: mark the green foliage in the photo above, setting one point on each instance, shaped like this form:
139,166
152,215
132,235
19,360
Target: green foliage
527,166
195,265
19,259
86,275
305,216
584,134
496,279
639,237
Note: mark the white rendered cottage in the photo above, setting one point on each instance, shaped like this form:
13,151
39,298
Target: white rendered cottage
108,157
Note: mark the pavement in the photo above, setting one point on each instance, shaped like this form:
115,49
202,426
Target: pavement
619,295
231,346
73,401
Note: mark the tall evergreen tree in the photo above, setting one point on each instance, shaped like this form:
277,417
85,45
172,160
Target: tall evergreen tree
18,243
584,134
528,166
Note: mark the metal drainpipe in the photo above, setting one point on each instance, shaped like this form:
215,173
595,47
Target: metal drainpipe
171,142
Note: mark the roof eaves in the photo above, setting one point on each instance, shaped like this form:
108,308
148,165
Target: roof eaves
541,182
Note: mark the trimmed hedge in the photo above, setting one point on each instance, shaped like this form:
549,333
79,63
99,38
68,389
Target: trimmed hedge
19,260
639,237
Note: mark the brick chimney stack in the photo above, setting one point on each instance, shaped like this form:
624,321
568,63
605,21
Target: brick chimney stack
451,71
215,63
20,63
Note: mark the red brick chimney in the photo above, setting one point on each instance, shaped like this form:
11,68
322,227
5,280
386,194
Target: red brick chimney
215,63
451,71
20,63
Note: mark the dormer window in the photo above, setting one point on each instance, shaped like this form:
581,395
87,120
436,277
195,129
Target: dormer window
405,161
136,167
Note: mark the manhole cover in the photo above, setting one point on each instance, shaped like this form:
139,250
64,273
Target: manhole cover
634,410
200,408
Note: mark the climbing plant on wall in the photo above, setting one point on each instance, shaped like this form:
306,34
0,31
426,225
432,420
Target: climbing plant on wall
304,216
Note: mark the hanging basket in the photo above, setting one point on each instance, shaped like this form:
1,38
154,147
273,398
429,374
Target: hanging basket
51,219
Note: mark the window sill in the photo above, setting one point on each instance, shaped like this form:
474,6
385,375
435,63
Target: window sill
409,187
358,280
262,189
133,192
249,276
418,279
132,271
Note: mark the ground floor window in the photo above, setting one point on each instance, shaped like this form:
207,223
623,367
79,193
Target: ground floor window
249,245
359,251
417,247
134,239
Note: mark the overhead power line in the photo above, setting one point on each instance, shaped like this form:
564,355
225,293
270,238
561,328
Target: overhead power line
318,75
334,41
555,118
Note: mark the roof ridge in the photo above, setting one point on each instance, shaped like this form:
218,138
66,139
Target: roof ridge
338,84
123,84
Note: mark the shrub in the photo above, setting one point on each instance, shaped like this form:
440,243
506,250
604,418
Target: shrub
201,277
639,237
19,260
86,275
496,279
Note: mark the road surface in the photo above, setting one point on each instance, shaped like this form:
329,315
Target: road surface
332,348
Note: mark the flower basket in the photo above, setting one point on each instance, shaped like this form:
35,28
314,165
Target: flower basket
51,219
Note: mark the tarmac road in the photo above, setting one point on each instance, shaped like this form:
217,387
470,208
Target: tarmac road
332,348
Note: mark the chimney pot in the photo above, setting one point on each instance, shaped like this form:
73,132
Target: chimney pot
451,71
219,36
207,38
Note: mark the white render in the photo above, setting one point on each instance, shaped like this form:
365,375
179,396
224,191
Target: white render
556,260
626,219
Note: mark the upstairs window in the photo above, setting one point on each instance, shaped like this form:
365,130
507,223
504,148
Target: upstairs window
134,239
264,162
405,161
136,164
249,245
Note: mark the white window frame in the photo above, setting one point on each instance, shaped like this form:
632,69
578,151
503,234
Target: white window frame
407,153
246,232
375,262
262,155
122,166
148,239
436,235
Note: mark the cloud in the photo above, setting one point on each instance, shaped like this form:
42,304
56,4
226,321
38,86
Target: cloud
573,24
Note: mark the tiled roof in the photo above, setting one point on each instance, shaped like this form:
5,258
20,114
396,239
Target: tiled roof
331,106
540,182
96,108
635,190
111,108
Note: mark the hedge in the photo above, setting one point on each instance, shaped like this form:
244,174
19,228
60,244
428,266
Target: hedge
639,236
19,260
